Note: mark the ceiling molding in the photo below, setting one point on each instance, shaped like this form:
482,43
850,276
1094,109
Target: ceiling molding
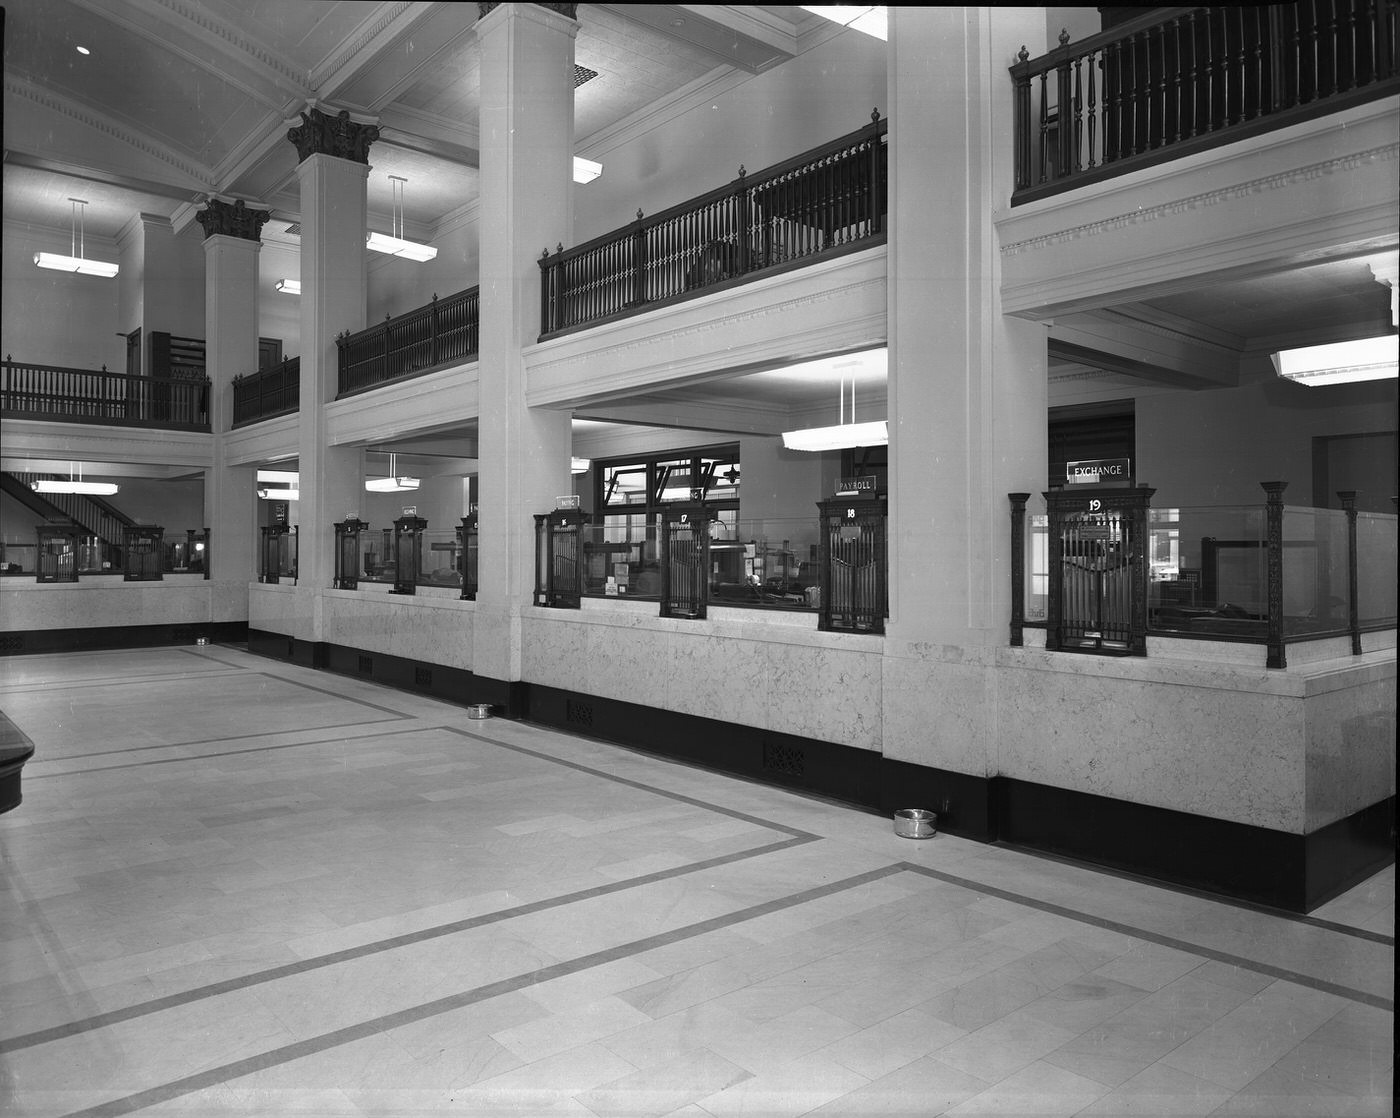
1340,165
222,33
99,122
15,158
356,52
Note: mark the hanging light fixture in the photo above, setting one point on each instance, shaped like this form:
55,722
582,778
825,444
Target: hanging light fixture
844,434
74,485
579,465
267,493
393,483
397,245
76,262
1340,362
586,170
289,286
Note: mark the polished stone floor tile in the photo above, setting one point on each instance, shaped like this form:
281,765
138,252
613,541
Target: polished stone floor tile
309,895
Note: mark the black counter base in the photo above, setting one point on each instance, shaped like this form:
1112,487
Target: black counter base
107,637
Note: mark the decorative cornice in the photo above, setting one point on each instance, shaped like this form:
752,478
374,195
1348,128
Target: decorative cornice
322,134
235,220
108,127
202,19
365,35
1206,198
569,11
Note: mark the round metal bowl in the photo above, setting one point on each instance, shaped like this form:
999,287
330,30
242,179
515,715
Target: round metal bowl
914,823
479,710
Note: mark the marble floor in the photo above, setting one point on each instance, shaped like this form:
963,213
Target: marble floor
239,887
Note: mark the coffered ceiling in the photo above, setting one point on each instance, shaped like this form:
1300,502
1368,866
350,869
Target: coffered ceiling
160,103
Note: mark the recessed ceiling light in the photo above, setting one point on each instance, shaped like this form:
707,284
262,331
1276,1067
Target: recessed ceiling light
84,50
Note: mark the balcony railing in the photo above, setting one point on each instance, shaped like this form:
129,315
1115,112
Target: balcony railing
829,200
1181,80
82,396
445,332
267,393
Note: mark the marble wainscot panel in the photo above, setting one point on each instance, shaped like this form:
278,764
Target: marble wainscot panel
781,677
276,608
432,625
1217,740
939,702
1350,714
104,602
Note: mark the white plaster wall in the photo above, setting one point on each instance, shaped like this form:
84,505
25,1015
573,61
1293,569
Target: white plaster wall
784,678
58,318
758,121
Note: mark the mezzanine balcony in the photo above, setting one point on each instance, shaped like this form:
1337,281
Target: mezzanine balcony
1177,81
54,393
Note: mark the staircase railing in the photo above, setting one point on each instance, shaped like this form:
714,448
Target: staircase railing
94,516
1181,80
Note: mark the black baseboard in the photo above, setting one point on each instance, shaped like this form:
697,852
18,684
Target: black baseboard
451,685
964,804
105,638
837,772
1348,851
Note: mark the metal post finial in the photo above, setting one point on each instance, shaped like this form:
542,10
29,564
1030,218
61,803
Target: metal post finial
1064,37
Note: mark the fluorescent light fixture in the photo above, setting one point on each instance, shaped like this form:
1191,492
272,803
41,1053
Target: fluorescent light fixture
74,485
1339,362
585,170
396,244
873,19
267,493
839,437
279,477
89,488
289,286
77,262
579,465
393,483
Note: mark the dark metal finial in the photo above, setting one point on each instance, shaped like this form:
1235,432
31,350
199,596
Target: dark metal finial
875,115
1023,54
1064,37
639,213
560,247
742,173
544,255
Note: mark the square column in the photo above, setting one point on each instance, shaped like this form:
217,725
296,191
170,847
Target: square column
231,250
967,385
332,173
526,140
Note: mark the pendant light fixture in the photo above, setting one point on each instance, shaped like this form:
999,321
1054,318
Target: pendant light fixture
77,262
75,485
393,483
397,245
844,434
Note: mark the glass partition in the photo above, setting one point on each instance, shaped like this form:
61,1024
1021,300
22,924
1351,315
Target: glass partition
1375,569
441,559
1316,596
1208,571
377,555
1037,560
621,558
772,562
143,549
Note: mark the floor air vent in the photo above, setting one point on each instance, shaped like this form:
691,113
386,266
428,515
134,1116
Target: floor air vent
578,714
366,665
422,677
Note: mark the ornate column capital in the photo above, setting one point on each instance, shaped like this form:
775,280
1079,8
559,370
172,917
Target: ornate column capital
232,220
569,10
322,134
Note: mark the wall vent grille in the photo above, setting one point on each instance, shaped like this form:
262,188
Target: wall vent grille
578,714
784,760
366,665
